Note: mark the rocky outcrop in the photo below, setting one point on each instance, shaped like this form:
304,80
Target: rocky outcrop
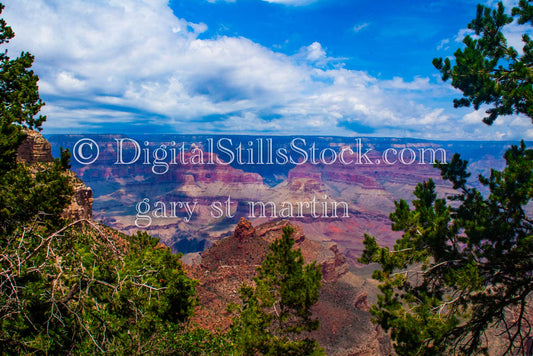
184,173
36,149
304,185
342,307
244,231
333,268
361,301
81,205
244,249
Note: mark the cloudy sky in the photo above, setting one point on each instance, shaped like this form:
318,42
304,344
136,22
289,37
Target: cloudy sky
271,67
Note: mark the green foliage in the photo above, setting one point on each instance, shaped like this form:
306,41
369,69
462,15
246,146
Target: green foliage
198,342
488,70
79,288
462,268
64,158
25,194
19,99
39,193
277,312
75,291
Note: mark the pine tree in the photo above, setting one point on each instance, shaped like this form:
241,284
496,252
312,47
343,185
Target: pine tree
25,194
73,287
490,72
276,315
459,270
19,99
465,269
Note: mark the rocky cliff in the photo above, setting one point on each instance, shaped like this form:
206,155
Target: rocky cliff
36,150
342,309
81,205
367,190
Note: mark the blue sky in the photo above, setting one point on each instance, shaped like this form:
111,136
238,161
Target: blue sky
266,67
361,34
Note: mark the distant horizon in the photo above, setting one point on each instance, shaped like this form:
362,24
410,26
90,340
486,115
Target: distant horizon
267,135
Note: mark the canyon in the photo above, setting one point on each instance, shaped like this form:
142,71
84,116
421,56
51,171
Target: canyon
243,179
203,211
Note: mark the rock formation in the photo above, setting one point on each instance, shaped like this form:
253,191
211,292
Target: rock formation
368,192
81,205
342,309
244,231
35,149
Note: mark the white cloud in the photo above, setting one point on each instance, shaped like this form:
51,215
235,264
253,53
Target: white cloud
68,82
443,43
513,33
399,83
436,116
463,33
474,117
314,52
107,62
360,27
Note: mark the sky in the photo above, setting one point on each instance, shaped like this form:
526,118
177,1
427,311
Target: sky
263,67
